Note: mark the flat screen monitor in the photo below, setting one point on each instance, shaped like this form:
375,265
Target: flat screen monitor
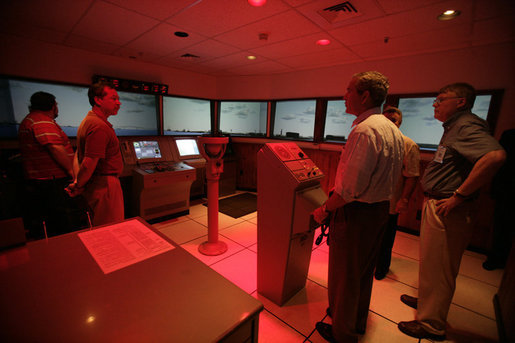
187,148
147,150
137,115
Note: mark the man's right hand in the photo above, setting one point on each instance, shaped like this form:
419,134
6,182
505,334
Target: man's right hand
73,190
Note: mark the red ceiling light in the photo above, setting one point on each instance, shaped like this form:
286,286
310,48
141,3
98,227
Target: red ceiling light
323,42
257,3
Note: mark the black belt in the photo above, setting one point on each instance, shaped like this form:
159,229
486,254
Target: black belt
436,197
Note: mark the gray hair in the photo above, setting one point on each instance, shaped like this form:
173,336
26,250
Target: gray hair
462,90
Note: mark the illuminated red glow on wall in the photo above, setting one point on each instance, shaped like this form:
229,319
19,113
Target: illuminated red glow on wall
257,3
323,42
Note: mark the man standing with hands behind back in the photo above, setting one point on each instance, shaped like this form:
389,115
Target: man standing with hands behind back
369,168
99,158
466,159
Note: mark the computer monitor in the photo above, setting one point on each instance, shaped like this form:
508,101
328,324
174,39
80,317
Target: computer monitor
147,150
187,148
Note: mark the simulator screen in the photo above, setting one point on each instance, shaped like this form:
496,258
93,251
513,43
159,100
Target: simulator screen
147,149
187,147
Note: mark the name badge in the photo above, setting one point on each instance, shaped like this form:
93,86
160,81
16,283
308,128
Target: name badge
440,153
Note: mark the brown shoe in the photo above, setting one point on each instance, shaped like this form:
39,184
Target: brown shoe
409,300
418,330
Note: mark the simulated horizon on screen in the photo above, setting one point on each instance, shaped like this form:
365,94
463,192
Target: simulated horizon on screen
137,115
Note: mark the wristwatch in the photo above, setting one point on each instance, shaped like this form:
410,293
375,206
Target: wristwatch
457,194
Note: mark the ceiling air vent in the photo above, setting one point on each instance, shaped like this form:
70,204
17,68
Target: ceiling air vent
340,12
189,57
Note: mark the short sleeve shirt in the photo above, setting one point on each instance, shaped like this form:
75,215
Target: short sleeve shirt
465,140
371,162
35,133
97,139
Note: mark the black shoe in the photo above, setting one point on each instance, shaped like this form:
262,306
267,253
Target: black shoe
491,264
409,300
326,331
328,311
418,330
380,274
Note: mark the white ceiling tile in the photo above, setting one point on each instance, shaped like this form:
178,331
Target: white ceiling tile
233,60
486,9
79,42
321,59
284,26
58,15
297,46
399,25
393,6
209,49
162,41
432,41
499,29
212,17
158,9
112,24
268,67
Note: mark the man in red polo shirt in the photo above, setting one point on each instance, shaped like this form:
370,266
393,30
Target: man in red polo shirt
47,164
98,157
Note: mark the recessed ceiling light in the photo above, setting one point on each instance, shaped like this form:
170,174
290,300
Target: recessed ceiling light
251,57
448,15
257,3
323,42
181,34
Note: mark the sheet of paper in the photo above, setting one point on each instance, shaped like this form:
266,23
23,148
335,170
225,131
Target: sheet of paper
119,245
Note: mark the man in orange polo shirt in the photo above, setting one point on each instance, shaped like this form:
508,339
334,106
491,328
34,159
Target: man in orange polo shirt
98,157
47,157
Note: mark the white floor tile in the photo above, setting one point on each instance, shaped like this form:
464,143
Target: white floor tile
198,210
224,221
302,311
318,267
244,233
273,330
466,295
240,269
406,245
404,269
467,326
192,248
385,300
184,231
471,266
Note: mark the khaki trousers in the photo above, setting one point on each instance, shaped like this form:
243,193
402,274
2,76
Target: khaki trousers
355,237
105,197
443,241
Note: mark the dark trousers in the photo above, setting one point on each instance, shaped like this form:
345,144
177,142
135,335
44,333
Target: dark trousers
47,201
355,235
385,253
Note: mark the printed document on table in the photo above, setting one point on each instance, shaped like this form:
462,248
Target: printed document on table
119,245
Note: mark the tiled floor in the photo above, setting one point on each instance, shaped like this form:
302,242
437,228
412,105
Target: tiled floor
471,317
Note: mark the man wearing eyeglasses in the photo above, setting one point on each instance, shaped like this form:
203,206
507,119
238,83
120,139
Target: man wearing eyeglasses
466,159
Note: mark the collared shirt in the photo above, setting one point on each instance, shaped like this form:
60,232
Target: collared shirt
97,139
465,140
410,168
36,131
371,162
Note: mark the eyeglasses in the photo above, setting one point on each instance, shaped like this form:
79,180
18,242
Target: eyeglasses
438,101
